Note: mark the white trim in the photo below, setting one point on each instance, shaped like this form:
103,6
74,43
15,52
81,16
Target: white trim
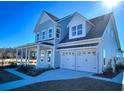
77,36
16,56
26,55
88,41
60,32
90,47
41,35
51,33
47,56
21,57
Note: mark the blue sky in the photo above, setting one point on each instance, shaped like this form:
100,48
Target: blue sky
18,19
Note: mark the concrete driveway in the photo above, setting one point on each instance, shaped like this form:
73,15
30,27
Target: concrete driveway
57,74
63,74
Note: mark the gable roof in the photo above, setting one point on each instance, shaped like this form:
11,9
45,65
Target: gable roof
95,32
52,16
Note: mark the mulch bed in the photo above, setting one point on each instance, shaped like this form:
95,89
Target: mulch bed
110,76
6,76
80,84
34,72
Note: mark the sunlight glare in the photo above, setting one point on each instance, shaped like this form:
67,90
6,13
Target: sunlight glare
110,3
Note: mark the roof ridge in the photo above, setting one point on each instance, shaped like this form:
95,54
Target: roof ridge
52,16
101,16
66,17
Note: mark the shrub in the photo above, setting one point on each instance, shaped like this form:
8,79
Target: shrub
13,64
31,70
119,67
25,68
108,70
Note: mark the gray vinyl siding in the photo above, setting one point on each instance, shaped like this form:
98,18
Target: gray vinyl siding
63,25
44,26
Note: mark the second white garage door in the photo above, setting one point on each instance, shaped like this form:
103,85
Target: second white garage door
79,60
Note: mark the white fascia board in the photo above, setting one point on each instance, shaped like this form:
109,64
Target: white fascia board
88,41
83,48
26,46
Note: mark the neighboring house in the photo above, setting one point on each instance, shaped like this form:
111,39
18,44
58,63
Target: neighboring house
74,42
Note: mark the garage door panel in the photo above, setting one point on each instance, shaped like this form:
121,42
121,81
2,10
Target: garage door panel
79,60
68,60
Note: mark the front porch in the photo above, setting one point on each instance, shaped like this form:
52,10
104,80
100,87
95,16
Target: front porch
37,54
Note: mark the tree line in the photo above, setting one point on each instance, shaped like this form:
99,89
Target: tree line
7,53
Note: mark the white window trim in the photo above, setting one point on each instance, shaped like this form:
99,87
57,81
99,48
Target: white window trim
60,32
76,36
42,35
36,36
48,33
73,31
79,29
47,56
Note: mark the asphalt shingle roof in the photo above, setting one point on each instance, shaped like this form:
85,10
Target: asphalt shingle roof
52,16
95,32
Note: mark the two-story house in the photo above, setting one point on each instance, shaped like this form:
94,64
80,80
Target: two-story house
74,42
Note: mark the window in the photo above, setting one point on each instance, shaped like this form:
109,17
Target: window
49,56
50,32
73,31
43,35
37,37
79,29
58,33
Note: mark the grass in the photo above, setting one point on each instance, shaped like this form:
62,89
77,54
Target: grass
5,76
80,84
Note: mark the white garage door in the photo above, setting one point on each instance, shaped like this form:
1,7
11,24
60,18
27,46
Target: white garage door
79,60
68,60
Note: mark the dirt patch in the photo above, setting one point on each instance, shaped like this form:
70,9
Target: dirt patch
81,84
5,76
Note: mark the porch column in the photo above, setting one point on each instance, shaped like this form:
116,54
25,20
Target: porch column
113,64
21,56
38,55
53,57
16,56
26,55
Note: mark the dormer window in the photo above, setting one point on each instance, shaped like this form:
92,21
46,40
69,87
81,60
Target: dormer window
74,31
79,29
50,32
